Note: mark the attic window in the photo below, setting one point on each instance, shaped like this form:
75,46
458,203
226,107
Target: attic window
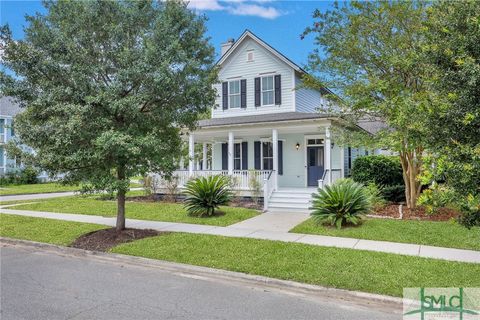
249,56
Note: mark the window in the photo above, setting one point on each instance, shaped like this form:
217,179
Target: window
267,91
234,94
314,141
237,156
267,156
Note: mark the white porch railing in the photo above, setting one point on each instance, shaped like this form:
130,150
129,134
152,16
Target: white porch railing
268,188
325,180
242,179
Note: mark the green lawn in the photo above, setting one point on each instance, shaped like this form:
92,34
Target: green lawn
43,230
35,188
158,211
333,267
42,188
442,234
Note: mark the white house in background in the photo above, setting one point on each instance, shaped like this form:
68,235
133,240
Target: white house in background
8,110
265,127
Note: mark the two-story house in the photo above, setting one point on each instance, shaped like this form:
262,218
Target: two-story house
265,126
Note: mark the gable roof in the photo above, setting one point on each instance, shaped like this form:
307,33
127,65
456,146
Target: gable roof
248,34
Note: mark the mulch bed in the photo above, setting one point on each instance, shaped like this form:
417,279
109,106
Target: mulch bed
105,239
442,214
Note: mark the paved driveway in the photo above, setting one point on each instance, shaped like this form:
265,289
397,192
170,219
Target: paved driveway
39,284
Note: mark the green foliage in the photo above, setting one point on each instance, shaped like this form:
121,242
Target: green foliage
451,48
394,193
27,175
255,187
344,202
205,195
107,86
379,169
437,196
470,208
376,196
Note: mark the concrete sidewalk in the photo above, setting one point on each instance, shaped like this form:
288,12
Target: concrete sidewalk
259,233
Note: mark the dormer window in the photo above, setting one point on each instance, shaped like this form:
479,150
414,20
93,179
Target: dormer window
234,94
249,56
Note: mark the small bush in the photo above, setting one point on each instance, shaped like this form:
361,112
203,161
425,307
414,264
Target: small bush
379,169
344,202
27,175
436,197
376,196
470,208
394,193
205,195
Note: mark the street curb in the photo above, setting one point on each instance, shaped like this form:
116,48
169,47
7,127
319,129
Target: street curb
356,297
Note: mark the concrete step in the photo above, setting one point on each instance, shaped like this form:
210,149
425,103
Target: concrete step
288,210
288,205
289,200
291,196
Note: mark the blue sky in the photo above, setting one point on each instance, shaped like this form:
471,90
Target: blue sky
279,23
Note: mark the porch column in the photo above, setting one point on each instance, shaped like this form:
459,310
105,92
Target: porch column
204,158
230,153
275,157
342,162
191,153
328,154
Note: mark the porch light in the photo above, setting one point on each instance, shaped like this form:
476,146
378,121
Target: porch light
297,146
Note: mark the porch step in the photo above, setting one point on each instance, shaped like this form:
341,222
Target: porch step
296,200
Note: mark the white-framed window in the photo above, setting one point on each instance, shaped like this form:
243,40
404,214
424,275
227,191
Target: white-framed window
267,90
266,156
237,156
234,94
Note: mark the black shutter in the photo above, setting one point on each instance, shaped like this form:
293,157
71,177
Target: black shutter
224,156
225,95
245,155
278,90
280,157
243,93
256,151
257,92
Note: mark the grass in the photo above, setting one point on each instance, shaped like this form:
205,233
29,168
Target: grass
48,187
43,230
366,271
35,188
442,234
157,211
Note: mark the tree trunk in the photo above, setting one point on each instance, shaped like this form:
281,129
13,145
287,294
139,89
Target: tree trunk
120,201
411,166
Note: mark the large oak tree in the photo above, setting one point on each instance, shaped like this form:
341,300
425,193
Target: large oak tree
107,86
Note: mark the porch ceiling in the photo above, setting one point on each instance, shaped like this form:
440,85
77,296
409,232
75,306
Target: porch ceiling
262,130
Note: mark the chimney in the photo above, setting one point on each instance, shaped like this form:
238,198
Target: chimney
227,45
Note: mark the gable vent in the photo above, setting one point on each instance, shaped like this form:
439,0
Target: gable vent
249,56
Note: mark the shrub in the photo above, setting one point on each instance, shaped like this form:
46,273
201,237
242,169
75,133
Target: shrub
470,208
27,175
376,197
379,169
394,193
344,202
204,195
435,197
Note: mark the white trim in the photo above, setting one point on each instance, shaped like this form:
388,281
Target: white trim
269,90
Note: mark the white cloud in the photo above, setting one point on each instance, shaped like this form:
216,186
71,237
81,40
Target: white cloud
253,8
213,5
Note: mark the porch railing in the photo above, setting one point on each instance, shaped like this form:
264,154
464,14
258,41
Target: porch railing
241,179
325,180
268,188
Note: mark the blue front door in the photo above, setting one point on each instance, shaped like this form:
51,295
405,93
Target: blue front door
315,165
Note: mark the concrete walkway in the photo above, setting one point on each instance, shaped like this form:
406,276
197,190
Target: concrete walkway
266,234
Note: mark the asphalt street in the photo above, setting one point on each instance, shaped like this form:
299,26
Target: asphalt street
40,284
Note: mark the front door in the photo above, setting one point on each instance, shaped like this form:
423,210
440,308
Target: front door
314,165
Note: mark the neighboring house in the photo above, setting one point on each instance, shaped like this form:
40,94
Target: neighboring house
265,128
8,110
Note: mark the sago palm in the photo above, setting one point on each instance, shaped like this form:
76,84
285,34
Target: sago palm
344,202
205,195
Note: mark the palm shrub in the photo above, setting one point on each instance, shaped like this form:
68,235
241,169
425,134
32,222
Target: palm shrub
344,202
204,195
